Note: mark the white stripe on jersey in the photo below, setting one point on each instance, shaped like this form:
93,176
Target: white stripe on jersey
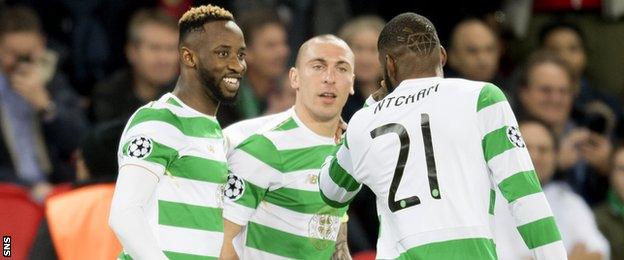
530,208
267,213
509,163
177,239
491,121
182,190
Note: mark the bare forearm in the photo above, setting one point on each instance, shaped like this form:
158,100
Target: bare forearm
342,247
230,230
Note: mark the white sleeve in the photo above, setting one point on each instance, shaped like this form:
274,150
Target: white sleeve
511,169
337,185
135,185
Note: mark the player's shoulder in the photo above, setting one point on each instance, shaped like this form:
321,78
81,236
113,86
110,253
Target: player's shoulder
169,116
255,128
465,85
261,133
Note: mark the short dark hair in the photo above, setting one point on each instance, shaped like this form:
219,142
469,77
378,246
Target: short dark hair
558,25
146,16
254,20
19,19
541,57
411,31
195,18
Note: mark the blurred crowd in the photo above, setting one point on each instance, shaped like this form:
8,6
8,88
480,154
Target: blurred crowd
73,72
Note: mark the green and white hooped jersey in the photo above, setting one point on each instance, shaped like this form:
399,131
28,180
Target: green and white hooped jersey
432,151
185,150
273,190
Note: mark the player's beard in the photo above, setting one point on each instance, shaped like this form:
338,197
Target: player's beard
212,84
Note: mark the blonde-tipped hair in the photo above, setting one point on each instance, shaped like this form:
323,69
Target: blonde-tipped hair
195,18
205,12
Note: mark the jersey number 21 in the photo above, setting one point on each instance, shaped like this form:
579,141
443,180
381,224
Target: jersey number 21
400,167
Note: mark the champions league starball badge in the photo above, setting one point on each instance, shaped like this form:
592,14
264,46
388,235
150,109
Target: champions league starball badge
515,137
140,147
234,187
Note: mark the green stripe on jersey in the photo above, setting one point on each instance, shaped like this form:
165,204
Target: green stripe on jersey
489,95
492,202
172,101
160,153
288,245
190,216
252,195
199,169
495,143
302,201
460,249
519,185
287,125
341,177
189,126
183,256
540,232
285,161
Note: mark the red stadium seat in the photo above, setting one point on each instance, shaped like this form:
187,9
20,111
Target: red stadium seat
19,218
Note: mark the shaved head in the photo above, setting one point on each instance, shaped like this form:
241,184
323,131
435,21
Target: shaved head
323,39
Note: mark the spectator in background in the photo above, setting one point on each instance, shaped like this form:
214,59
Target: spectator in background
546,93
282,97
567,41
152,51
575,220
40,120
474,53
267,57
361,34
610,214
75,224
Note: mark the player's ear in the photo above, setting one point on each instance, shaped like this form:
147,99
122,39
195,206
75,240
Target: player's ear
293,76
392,68
188,58
443,56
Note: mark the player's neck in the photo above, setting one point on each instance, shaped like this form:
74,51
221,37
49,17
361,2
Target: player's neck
326,128
194,96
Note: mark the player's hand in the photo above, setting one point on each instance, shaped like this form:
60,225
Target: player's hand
580,252
342,127
381,92
568,148
596,151
28,82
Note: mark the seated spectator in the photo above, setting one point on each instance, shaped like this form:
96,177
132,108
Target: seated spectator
40,118
361,34
610,214
575,220
546,93
567,41
474,53
152,51
76,222
267,57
